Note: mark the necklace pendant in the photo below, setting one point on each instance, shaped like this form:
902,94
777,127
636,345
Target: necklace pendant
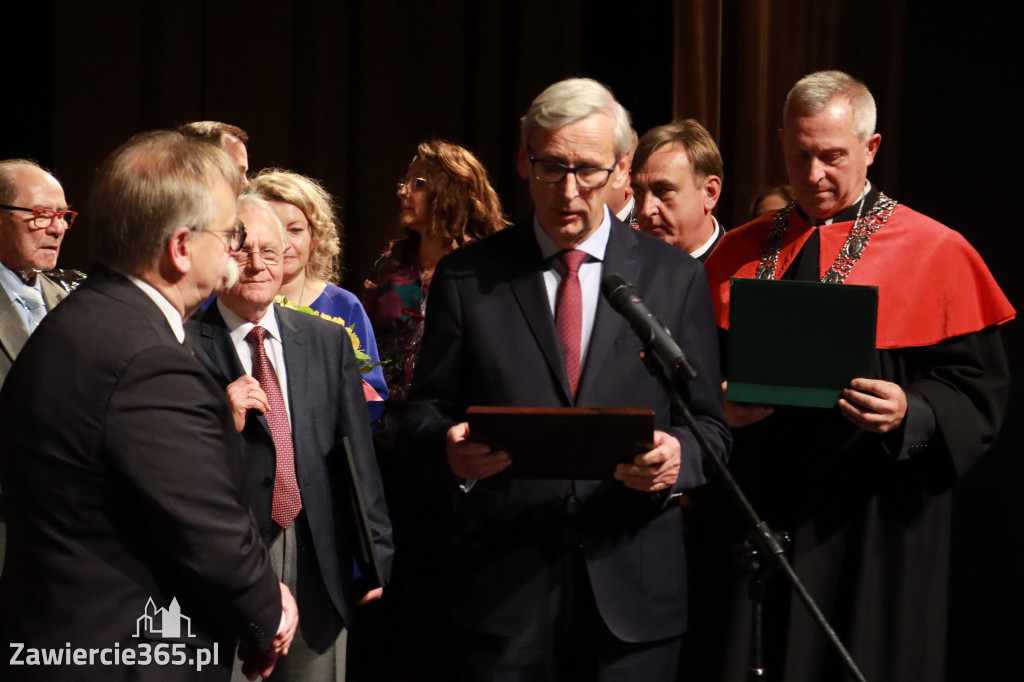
766,272
832,277
854,245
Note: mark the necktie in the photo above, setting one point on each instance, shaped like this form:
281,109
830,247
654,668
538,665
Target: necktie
569,315
287,502
33,302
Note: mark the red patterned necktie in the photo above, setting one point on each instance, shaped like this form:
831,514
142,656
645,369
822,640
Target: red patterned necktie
569,315
287,502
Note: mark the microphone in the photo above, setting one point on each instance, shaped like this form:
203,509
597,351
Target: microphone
657,339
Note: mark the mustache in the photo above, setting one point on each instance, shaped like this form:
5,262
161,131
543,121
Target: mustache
230,275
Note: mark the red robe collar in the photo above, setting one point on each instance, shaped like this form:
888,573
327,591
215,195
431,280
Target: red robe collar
932,284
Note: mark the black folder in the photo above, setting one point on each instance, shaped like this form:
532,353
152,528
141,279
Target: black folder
798,343
365,550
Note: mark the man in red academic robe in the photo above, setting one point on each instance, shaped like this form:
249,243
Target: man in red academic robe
863,489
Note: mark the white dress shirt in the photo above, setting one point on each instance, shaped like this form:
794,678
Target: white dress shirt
165,306
590,273
239,327
16,290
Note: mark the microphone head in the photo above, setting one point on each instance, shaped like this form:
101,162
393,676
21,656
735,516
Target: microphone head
618,290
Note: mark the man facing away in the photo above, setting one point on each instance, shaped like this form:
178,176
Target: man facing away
122,480
296,396
230,138
621,200
677,177
864,489
563,579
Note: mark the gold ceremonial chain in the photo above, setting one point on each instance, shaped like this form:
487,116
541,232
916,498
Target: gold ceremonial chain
853,249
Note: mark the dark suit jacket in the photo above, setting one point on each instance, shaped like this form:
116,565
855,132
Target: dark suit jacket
490,340
121,484
326,404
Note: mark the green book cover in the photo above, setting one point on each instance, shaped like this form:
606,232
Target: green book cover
798,343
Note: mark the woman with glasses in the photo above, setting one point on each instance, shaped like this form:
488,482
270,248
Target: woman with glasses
445,200
311,264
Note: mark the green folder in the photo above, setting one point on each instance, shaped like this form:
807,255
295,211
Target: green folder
798,343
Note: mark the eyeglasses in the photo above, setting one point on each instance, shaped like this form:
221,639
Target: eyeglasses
268,255
412,184
42,218
553,172
236,235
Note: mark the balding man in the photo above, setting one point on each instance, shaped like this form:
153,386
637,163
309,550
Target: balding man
128,533
33,219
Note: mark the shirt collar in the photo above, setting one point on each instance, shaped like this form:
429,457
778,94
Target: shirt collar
165,306
594,245
13,283
841,215
238,326
702,249
627,210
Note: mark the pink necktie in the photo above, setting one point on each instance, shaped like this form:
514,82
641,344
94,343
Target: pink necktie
569,315
287,502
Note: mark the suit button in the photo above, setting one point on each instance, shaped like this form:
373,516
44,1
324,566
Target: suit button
268,481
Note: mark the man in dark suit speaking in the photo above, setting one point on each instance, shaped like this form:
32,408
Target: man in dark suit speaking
296,394
564,579
131,553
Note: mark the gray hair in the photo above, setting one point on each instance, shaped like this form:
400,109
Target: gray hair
148,187
574,99
252,200
8,190
213,131
814,91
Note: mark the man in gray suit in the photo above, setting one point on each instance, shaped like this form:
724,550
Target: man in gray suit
33,219
297,401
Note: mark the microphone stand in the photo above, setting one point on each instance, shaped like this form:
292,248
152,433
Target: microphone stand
765,542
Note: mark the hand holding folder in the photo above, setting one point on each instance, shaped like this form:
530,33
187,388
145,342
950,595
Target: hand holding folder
798,343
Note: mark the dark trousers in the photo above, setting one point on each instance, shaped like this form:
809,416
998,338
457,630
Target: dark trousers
567,641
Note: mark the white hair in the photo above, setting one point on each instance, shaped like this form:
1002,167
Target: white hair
250,200
574,99
813,92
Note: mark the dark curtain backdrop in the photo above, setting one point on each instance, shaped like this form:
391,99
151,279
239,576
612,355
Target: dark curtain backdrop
344,90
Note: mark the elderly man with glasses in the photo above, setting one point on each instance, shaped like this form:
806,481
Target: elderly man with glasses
33,219
296,396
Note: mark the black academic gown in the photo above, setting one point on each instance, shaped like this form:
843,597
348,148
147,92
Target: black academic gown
868,516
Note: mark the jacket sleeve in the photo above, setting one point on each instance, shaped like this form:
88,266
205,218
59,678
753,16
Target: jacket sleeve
166,435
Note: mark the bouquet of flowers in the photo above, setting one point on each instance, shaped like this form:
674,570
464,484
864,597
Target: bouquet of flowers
366,363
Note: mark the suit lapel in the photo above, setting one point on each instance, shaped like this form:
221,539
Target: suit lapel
53,293
622,257
13,333
526,274
297,365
